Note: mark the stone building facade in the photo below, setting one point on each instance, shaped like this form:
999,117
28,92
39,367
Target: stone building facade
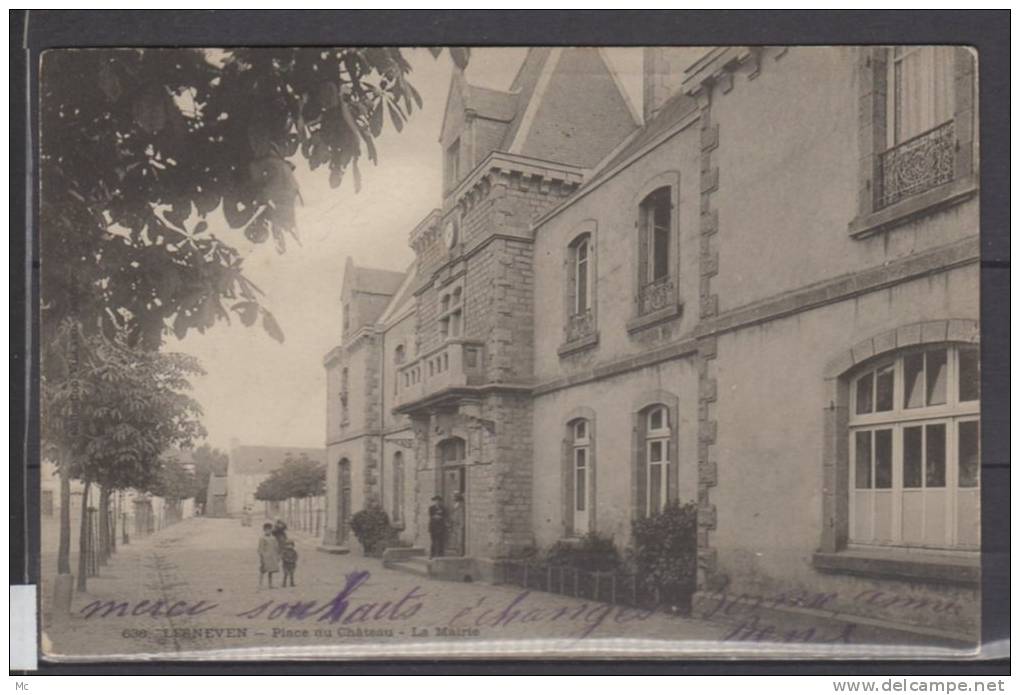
761,297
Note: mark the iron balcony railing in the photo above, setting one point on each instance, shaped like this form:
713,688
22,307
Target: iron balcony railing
656,295
916,165
580,325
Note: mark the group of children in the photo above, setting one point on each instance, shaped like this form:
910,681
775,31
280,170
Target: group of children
276,549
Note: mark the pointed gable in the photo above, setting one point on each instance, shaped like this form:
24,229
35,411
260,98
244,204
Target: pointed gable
365,294
577,112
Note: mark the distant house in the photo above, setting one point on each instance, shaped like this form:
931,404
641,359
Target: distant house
249,466
216,495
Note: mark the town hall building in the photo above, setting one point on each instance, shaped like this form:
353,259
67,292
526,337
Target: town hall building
757,296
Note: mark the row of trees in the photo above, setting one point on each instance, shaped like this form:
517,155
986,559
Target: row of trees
110,413
138,148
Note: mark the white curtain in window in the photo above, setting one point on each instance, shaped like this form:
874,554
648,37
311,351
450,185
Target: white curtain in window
920,89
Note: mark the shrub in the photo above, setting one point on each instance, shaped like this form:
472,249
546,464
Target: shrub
591,553
666,553
372,529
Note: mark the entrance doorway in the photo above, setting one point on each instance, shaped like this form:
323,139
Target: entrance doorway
343,500
453,489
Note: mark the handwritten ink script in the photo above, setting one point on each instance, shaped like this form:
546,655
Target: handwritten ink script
345,610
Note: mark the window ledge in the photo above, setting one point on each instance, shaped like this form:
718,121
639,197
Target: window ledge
639,323
946,195
891,564
582,343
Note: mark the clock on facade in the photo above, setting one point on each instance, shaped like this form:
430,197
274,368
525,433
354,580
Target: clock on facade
450,234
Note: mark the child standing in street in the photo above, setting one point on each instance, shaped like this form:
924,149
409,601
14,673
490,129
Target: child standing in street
290,558
269,554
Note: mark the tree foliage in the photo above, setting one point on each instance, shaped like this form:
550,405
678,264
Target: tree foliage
140,146
299,476
174,480
114,408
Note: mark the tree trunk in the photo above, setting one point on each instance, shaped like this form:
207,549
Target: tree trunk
112,521
83,539
104,527
64,548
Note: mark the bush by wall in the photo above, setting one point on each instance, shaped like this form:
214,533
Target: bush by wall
666,553
373,530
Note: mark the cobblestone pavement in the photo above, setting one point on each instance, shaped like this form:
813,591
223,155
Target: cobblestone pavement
193,587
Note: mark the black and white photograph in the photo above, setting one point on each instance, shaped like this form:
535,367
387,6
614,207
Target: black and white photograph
571,352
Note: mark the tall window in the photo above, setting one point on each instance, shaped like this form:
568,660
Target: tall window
656,252
582,292
920,97
581,470
580,278
918,135
344,412
655,222
347,316
914,449
451,313
656,460
398,489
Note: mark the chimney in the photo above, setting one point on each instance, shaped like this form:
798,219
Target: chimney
664,71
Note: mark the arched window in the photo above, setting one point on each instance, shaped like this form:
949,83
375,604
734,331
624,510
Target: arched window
398,489
581,469
399,355
580,300
914,449
581,261
657,434
656,226
657,255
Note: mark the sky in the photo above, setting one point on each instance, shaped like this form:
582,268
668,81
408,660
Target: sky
259,391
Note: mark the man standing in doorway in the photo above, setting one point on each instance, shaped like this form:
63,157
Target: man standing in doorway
437,527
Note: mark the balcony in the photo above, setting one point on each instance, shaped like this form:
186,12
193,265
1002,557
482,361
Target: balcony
656,302
657,295
457,363
916,165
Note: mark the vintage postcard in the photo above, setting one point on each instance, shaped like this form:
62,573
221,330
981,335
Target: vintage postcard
510,352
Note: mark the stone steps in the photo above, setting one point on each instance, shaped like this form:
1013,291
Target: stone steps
417,564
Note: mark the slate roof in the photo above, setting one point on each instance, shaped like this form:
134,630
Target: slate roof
376,280
523,88
256,460
673,111
490,103
404,294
